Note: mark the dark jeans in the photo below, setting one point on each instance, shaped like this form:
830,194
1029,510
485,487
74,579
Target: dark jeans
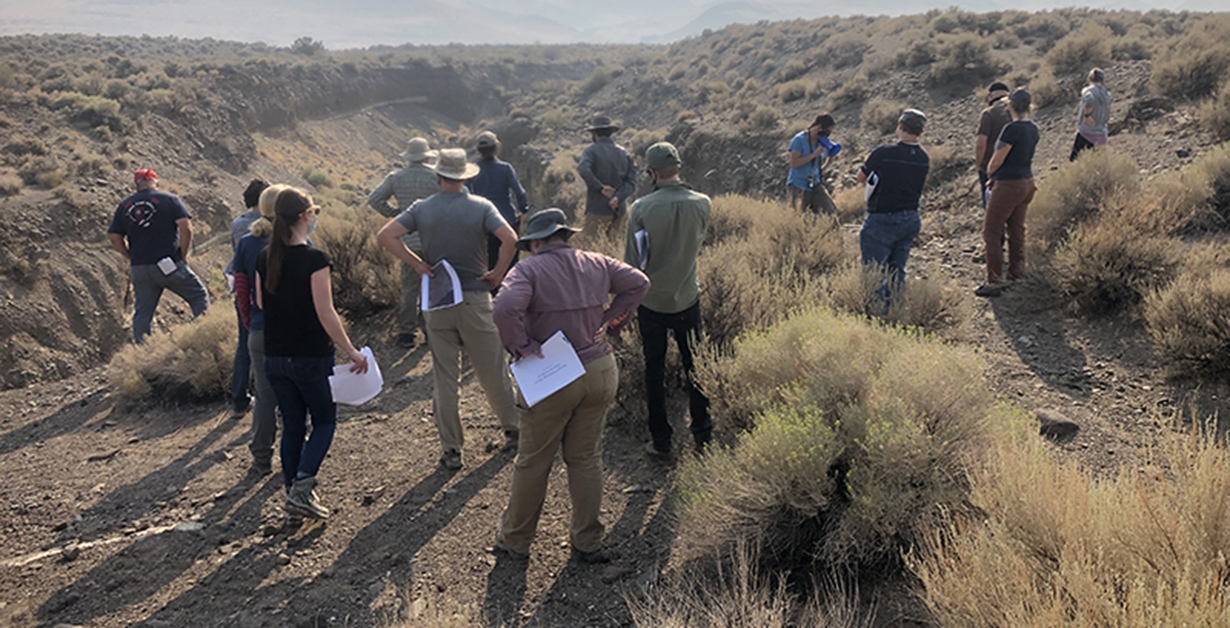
686,327
885,240
241,368
301,385
982,187
1080,145
493,253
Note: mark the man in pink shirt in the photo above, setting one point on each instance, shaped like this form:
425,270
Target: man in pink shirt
563,289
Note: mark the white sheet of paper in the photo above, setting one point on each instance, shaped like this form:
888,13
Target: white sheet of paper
642,247
356,388
872,181
539,378
442,289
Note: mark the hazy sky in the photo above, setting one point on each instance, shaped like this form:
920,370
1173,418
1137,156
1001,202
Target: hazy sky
359,23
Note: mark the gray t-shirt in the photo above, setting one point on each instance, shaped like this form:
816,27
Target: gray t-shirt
454,227
1097,98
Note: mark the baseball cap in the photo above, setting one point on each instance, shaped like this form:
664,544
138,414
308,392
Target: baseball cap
1020,99
486,139
661,155
913,117
144,174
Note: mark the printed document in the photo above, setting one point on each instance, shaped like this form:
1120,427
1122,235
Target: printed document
642,247
539,378
356,388
442,289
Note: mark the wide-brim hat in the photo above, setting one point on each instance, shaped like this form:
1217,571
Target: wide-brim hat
418,150
602,123
543,225
452,164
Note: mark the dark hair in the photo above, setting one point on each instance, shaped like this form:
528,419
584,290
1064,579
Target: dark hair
1020,100
997,87
824,121
288,210
604,132
488,152
666,172
252,195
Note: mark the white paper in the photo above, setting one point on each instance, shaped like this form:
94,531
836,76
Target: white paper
356,388
642,247
442,289
873,180
539,378
167,265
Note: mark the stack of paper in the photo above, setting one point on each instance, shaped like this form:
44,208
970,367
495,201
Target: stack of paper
356,388
539,378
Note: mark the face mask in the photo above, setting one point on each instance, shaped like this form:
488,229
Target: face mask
311,228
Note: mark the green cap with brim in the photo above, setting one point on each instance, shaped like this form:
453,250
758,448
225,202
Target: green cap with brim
661,155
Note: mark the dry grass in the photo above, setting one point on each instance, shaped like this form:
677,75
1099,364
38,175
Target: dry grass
1079,190
1195,65
9,184
191,362
1108,265
1197,197
1187,319
365,277
852,435
934,303
881,115
1053,545
1214,114
1081,50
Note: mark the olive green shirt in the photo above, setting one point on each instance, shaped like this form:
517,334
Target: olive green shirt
676,219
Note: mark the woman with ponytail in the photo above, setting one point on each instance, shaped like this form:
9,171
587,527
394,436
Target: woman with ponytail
294,290
264,419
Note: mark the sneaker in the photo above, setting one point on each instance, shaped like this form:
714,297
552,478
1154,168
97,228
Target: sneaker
511,438
451,460
501,548
406,341
240,409
988,291
654,453
302,500
260,468
599,556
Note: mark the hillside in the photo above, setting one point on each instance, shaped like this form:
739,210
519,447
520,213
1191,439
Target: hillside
126,513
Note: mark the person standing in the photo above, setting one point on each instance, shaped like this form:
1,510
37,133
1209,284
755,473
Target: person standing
671,222
993,120
294,290
609,173
811,153
495,182
897,173
241,367
454,225
564,289
414,182
1012,189
1092,128
153,230
252,320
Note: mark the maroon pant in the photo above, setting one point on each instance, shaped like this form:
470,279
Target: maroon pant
1006,210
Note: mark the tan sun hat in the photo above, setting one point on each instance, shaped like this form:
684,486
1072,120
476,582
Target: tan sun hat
453,165
418,150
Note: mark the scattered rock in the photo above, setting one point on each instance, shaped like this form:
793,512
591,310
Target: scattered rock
282,559
189,526
60,527
104,456
1055,427
70,553
638,488
614,572
270,529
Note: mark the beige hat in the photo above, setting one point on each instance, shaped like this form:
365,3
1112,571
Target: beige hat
453,165
418,150
487,138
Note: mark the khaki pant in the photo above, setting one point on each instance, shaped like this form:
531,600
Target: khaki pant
599,228
1006,211
573,417
815,200
409,316
468,325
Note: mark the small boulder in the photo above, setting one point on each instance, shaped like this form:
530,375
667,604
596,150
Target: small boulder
1056,427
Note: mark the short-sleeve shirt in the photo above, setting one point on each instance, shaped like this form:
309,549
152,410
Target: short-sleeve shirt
805,176
292,328
901,171
454,227
147,220
993,120
1022,135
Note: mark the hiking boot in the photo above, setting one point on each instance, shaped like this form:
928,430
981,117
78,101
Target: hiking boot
989,291
599,556
654,453
241,408
501,548
260,468
511,438
302,500
451,460
406,341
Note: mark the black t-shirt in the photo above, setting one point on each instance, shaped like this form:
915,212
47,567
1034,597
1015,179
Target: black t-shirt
1022,135
292,328
899,172
147,220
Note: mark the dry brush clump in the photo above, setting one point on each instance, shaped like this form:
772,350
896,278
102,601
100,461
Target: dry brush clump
365,277
1107,264
1197,198
1077,191
852,435
1196,64
1187,318
934,303
1053,544
191,362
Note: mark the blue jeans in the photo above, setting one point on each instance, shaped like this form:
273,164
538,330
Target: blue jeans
301,386
885,240
148,282
241,368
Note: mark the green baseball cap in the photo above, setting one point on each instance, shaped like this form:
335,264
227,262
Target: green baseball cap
661,155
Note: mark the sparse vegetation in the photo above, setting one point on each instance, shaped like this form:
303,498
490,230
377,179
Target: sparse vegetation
1079,190
881,115
964,60
1187,318
1081,50
1106,265
190,362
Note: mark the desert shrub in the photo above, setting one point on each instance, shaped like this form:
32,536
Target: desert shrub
794,90
24,145
761,118
1107,265
599,78
1195,198
1081,50
1046,90
93,165
920,52
555,119
1042,30
850,92
365,277
850,203
844,50
318,178
1054,544
1214,114
965,59
1131,49
1187,318
947,164
43,171
1079,190
934,302
855,435
880,115
1196,64
191,362
792,70
9,184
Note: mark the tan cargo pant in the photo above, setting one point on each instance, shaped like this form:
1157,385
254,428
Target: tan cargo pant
573,417
409,316
468,325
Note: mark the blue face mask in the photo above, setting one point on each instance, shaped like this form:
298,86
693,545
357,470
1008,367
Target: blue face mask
312,228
